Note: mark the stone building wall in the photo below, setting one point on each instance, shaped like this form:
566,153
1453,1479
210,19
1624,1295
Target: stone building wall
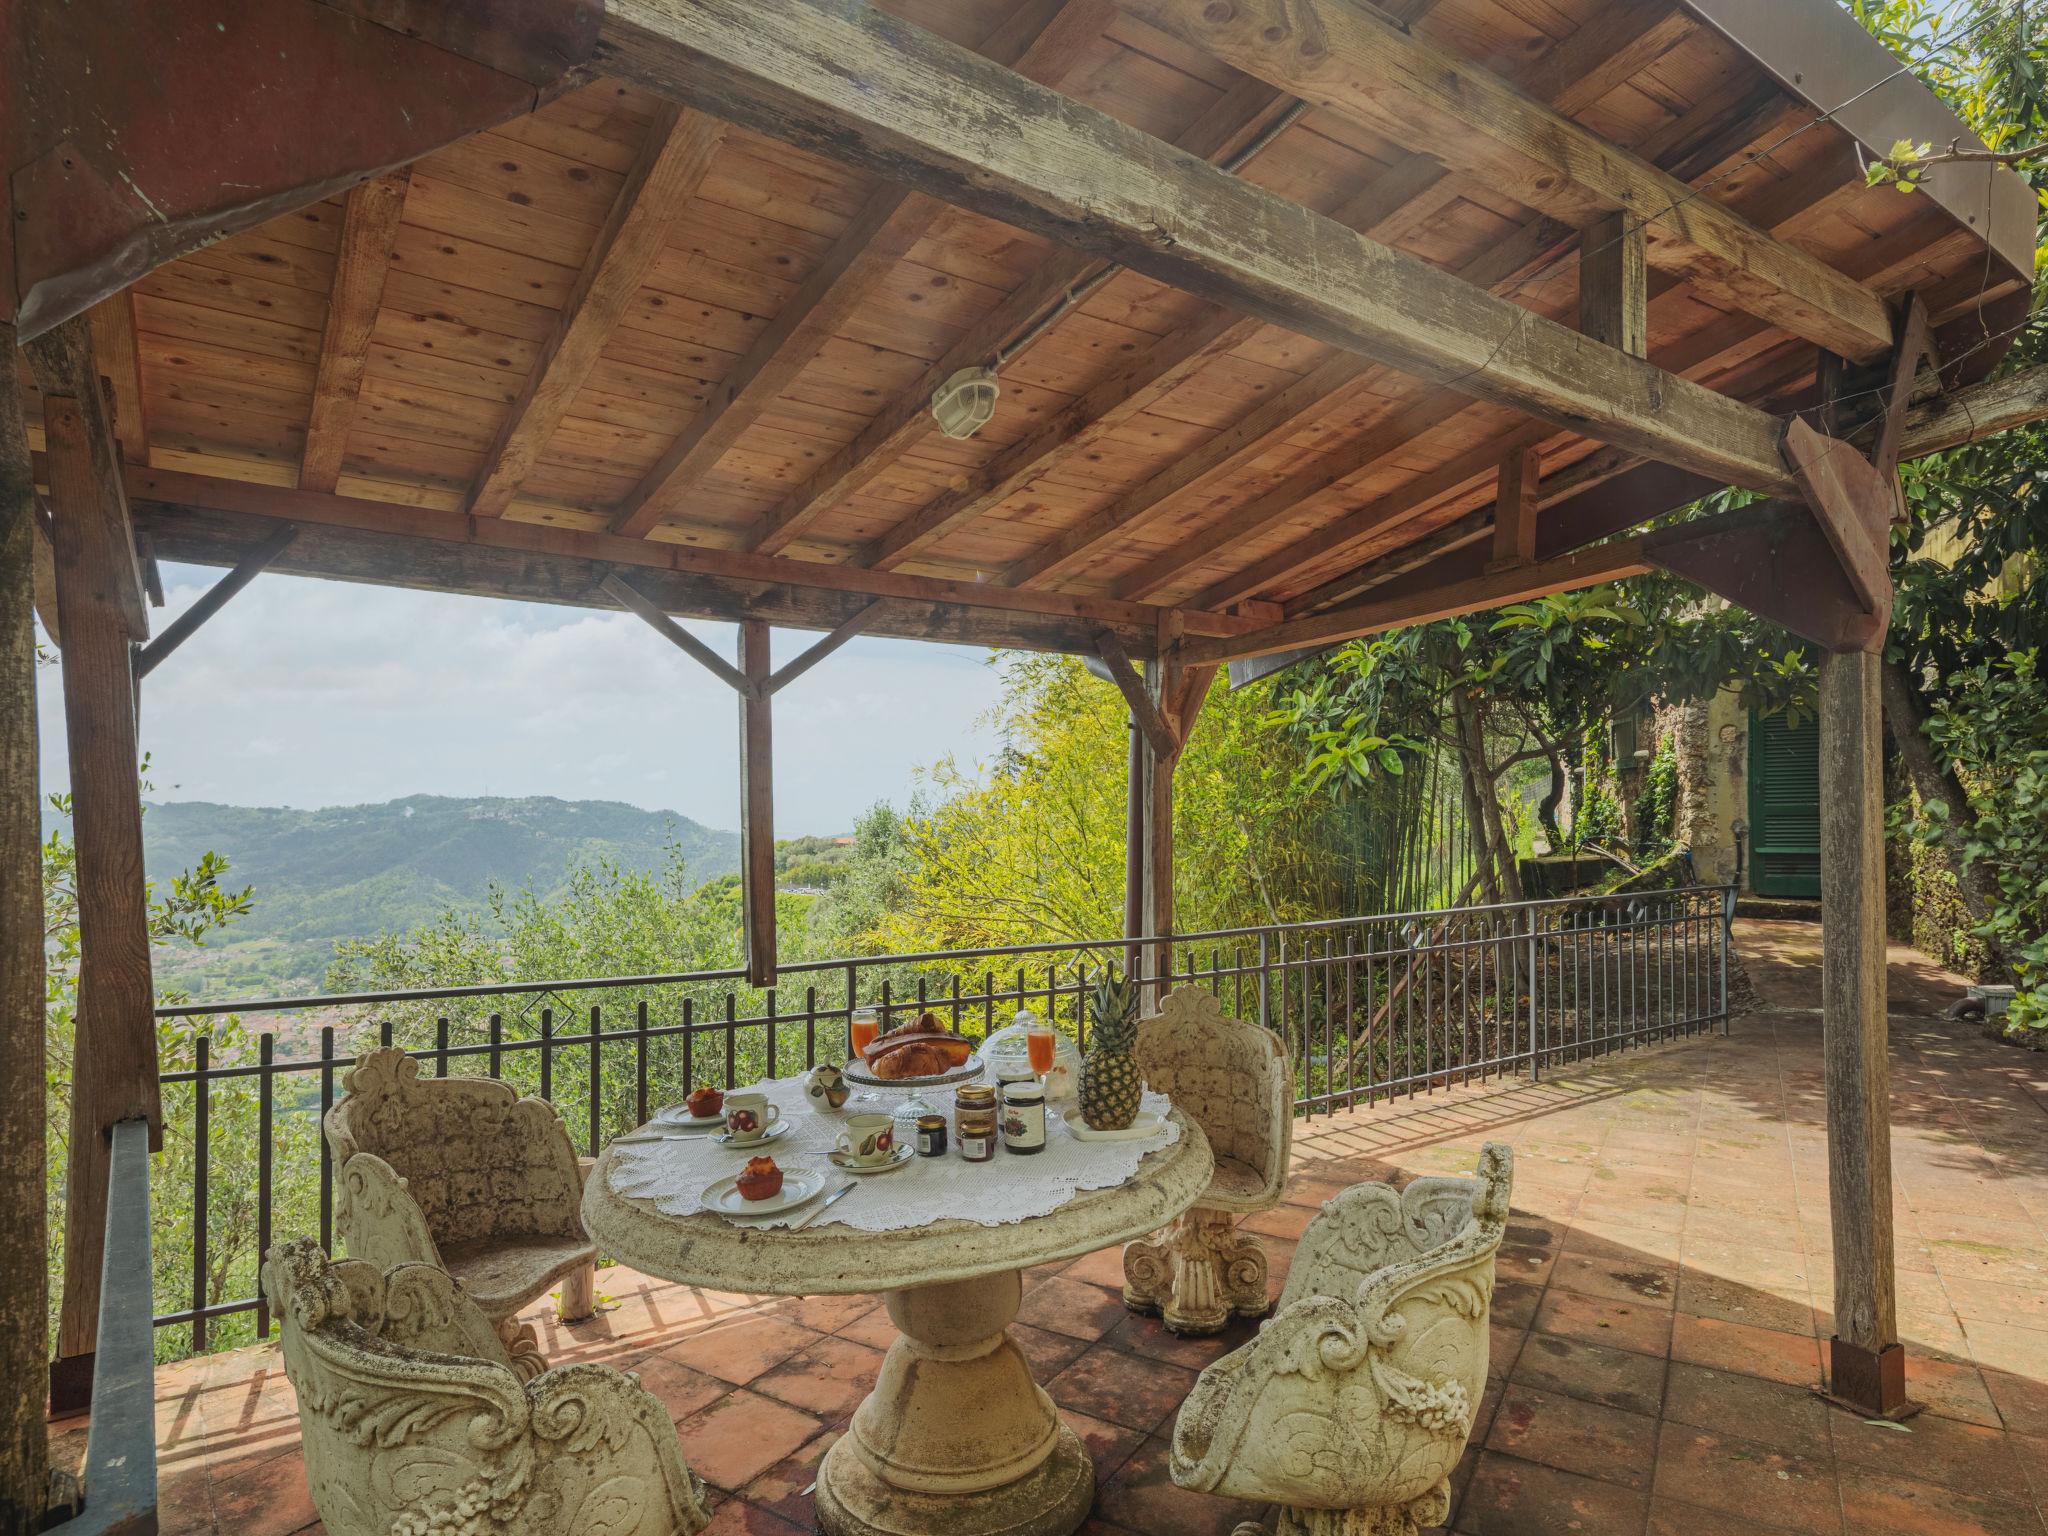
1711,742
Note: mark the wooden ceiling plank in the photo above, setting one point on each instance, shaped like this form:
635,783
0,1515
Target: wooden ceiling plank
670,166
120,363
1127,393
1320,545
369,228
1360,64
1246,111
1498,265
882,233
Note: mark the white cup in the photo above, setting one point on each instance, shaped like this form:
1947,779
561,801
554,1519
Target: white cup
869,1139
748,1116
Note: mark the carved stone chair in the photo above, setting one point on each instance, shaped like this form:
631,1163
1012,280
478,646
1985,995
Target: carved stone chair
1353,1404
414,1422
1234,1080
463,1174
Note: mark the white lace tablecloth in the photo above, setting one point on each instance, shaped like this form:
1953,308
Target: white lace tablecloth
1007,1188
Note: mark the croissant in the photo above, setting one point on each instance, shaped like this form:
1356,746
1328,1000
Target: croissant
927,1057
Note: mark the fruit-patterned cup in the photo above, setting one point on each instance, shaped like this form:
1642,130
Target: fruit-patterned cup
868,1139
748,1116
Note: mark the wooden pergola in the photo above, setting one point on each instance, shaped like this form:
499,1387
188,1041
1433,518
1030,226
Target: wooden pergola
1308,319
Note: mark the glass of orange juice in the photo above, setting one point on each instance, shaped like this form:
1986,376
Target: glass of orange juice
1039,1042
866,1024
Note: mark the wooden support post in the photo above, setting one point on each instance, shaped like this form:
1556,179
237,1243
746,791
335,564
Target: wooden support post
757,804
24,1195
99,602
1866,1363
1614,284
1157,918
1134,850
1515,505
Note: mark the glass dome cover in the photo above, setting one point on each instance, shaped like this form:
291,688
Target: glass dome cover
1007,1047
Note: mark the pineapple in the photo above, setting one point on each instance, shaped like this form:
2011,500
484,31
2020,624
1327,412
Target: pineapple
1110,1083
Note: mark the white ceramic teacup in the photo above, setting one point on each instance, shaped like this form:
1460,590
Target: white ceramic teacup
748,1116
868,1139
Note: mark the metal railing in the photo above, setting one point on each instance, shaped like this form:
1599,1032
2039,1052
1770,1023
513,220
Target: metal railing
1370,1008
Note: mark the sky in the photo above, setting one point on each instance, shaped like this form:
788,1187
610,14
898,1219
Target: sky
311,693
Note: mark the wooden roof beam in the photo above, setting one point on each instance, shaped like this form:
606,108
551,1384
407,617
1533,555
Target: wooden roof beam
882,93
880,235
1358,62
1515,584
789,581
369,227
1577,72
665,175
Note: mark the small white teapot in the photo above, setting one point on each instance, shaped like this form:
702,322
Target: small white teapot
827,1089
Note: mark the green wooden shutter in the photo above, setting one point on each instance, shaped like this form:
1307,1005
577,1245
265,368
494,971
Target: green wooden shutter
1784,807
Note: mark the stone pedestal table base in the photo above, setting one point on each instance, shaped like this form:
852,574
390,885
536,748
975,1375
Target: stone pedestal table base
956,1437
1197,1273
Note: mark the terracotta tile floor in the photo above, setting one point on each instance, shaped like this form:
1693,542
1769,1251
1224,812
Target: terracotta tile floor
1663,1294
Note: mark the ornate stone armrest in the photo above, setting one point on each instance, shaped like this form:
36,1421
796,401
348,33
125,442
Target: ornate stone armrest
593,1423
377,1218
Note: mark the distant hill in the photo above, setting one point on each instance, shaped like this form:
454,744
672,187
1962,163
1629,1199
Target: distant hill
351,871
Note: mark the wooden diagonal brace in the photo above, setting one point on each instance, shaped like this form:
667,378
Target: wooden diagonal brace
1772,559
1852,501
819,650
630,597
182,628
1164,741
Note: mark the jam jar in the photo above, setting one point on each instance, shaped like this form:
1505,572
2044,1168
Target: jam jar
974,1122
931,1135
1024,1117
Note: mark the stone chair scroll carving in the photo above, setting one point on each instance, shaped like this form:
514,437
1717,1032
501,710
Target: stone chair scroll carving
463,1174
414,1422
1235,1081
1353,1404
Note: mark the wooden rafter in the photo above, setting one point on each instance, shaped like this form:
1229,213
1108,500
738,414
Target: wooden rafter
369,228
665,175
881,234
1244,113
1357,62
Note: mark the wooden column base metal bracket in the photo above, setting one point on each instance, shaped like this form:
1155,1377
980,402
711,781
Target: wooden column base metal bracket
1866,1382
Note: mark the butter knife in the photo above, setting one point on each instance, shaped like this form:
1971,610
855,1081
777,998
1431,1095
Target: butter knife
819,1209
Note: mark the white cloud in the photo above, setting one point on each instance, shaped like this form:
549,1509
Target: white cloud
309,693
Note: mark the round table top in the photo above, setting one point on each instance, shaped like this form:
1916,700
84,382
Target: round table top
825,1259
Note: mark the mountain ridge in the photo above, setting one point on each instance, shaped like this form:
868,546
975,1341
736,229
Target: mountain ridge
354,871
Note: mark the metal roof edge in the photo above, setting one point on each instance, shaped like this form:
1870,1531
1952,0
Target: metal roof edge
1818,52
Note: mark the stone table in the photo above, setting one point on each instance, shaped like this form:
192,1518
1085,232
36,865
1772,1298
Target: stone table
955,1437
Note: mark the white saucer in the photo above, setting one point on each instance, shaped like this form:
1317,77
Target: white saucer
777,1129
678,1117
1146,1125
900,1154
798,1186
